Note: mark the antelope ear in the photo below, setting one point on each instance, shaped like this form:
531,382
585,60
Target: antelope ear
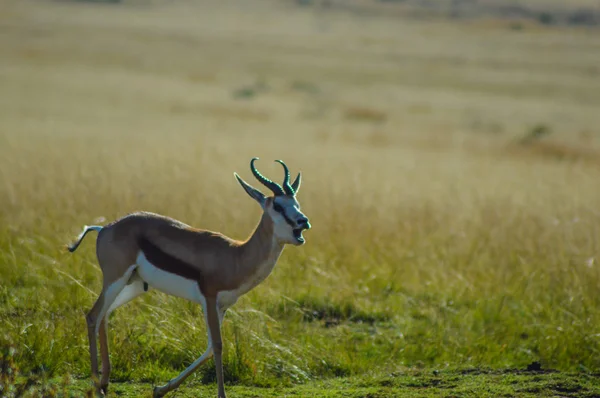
253,192
296,183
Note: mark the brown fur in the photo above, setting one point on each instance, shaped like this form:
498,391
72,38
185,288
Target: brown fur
216,262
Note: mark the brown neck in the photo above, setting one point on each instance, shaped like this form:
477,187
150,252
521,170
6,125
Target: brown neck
261,248
262,243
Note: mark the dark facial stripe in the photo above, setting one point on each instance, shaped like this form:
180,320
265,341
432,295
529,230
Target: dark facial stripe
288,220
167,262
285,217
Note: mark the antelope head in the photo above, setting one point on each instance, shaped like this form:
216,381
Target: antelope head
282,207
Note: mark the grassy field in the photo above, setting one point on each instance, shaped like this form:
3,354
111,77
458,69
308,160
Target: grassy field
450,172
412,384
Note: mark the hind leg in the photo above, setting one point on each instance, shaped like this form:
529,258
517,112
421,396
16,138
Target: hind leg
91,318
128,293
95,318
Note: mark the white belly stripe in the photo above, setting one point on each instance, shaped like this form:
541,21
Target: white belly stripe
167,282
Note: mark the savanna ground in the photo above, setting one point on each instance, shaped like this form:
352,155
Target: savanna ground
450,171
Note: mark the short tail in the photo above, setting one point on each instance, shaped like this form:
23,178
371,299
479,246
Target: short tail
73,246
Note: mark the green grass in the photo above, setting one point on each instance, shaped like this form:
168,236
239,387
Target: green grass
449,234
410,384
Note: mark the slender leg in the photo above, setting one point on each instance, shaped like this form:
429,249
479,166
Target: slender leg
95,319
214,325
176,382
91,319
104,355
129,293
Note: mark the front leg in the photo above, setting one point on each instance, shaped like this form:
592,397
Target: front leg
176,382
160,391
214,326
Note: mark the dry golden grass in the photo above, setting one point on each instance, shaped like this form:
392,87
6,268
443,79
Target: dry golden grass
433,245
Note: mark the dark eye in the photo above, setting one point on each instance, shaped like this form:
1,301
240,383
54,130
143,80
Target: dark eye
277,207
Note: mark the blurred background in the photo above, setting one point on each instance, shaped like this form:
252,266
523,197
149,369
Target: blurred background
450,153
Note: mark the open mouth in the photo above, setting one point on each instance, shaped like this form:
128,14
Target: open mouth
298,235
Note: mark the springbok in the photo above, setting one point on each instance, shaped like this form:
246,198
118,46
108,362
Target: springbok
145,250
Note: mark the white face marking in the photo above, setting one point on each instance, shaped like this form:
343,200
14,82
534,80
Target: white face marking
286,207
167,282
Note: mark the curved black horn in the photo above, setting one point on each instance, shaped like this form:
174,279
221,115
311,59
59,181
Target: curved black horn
296,183
286,179
264,180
